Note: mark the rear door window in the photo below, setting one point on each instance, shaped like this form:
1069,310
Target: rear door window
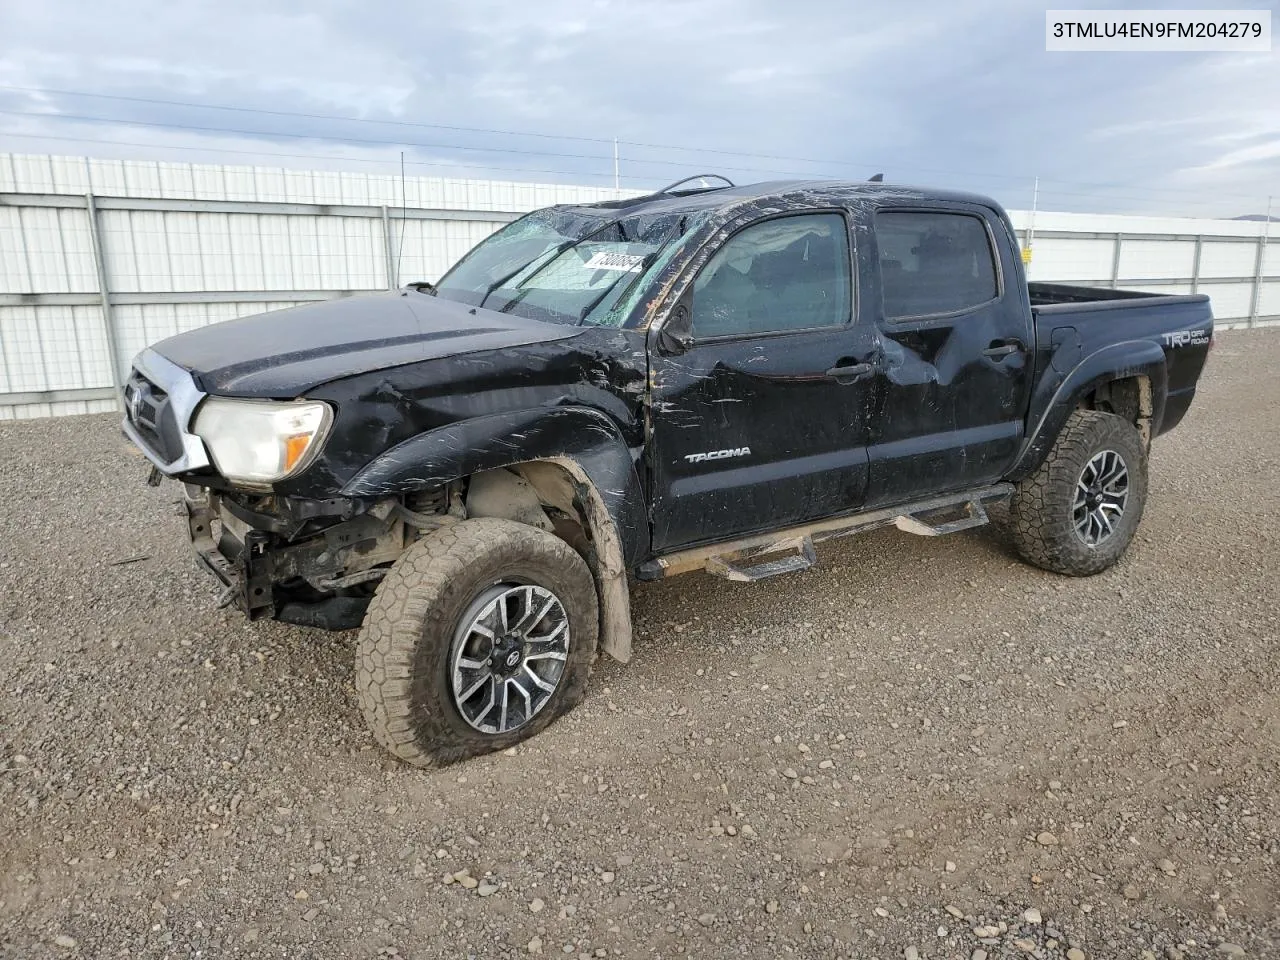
934,263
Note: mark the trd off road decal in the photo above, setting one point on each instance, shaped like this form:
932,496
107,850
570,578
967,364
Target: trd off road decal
1186,338
718,454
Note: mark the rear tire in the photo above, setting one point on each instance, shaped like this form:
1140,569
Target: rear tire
1078,512
449,615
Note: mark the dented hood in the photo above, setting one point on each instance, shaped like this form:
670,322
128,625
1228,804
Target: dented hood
284,353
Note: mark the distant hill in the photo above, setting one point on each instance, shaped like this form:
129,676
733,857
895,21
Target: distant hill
1258,217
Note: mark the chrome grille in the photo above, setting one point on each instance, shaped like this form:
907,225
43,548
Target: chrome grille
143,401
160,399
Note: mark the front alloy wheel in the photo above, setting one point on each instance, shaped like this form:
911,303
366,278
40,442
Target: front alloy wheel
508,656
481,634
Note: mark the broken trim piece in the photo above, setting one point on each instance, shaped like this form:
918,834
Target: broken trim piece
563,483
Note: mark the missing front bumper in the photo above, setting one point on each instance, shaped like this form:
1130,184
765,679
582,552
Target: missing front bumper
321,581
242,564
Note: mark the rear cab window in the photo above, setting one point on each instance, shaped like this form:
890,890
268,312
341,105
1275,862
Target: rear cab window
934,263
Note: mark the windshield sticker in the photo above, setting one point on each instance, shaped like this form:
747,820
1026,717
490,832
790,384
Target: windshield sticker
624,262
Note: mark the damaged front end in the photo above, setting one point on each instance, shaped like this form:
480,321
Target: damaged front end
311,563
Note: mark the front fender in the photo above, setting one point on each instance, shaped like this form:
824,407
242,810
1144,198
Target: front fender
585,436
1057,396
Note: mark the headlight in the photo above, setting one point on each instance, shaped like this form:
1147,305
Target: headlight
261,441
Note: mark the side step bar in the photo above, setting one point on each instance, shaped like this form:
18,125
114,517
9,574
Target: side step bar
973,515
928,518
728,566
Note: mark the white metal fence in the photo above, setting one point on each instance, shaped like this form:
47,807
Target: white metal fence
99,258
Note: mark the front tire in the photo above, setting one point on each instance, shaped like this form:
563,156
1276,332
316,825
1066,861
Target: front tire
481,635
1078,512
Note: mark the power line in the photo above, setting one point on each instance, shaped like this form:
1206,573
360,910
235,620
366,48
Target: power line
127,121
289,113
362,141
843,164
315,156
454,165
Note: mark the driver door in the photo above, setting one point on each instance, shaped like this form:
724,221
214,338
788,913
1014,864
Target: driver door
760,418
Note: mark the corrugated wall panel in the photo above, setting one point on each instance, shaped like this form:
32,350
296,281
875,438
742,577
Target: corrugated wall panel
23,350
116,227
91,343
1164,289
64,408
77,246
14,275
1269,300
277,260
271,185
1231,301
182,235
249,261
304,252
33,174
1071,260
216,262
70,175
151,267
1140,259
1271,258
1220,258
176,180
106,177
64,366
41,233
142,178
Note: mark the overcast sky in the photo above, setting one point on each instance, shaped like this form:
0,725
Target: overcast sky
940,92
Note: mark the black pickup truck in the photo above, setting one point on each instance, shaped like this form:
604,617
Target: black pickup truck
706,378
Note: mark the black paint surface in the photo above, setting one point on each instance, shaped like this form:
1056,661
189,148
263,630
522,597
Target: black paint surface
426,390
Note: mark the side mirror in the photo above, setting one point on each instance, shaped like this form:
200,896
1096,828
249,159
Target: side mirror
675,336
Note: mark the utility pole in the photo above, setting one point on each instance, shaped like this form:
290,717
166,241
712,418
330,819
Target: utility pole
1259,265
1031,224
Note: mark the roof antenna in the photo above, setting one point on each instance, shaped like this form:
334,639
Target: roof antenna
878,178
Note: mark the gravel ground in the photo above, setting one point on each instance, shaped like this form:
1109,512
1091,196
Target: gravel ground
917,749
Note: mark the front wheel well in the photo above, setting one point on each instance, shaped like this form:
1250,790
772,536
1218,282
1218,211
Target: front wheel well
556,495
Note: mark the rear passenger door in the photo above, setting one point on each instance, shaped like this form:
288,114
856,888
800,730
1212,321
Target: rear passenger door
955,330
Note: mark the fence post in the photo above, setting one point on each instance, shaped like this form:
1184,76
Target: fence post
1115,262
388,247
1259,261
1195,264
108,319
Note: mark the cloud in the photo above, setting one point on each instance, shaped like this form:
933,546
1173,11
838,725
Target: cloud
960,95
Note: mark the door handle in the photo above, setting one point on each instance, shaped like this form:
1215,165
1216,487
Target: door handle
850,373
1001,350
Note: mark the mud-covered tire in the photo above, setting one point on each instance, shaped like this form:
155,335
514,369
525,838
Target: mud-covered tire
1041,519
403,667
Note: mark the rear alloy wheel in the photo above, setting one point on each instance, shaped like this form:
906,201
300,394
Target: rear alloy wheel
1101,494
479,637
1080,509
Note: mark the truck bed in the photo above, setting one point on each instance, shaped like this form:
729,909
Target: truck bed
1061,298
1076,323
